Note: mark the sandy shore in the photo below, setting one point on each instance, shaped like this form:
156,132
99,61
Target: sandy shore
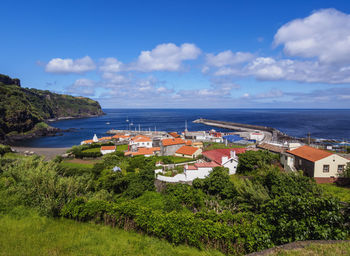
48,153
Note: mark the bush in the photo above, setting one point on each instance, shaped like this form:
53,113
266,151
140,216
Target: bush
251,161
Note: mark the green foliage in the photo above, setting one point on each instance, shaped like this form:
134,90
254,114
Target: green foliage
251,161
346,172
341,193
4,149
23,109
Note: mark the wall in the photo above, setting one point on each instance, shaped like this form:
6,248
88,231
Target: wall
333,161
187,176
306,166
169,150
231,165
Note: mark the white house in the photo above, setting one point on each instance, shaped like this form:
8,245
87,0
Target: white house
107,149
140,141
225,157
323,166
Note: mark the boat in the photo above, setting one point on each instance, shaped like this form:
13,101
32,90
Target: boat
108,123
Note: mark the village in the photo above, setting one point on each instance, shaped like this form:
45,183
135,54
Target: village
198,152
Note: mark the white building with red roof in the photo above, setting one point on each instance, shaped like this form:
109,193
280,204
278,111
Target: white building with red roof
140,141
227,157
107,149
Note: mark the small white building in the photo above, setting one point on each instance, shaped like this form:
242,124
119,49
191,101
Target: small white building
107,149
140,141
257,136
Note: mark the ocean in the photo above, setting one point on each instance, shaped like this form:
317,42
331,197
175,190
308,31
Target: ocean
320,123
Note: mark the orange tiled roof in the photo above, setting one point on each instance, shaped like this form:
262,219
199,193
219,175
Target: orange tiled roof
108,148
117,136
141,138
187,150
105,138
174,134
88,141
188,143
143,151
310,153
174,141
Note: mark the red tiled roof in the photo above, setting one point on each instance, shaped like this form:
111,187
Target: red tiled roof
206,164
217,154
143,151
174,141
108,148
174,134
191,167
105,138
187,150
310,153
188,143
88,141
141,138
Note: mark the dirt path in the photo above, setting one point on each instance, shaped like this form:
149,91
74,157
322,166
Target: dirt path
48,153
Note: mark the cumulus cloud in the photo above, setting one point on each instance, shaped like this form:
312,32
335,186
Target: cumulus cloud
82,87
324,35
65,66
228,58
165,57
111,65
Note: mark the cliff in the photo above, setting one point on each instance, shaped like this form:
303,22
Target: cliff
23,111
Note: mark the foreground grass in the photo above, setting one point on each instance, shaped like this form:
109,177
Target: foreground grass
316,249
342,193
44,236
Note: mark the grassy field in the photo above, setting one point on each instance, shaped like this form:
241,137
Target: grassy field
175,159
44,236
342,193
122,148
92,150
215,145
316,249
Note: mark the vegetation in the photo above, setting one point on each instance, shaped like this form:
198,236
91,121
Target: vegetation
216,145
172,159
234,215
23,110
122,148
252,162
35,235
342,193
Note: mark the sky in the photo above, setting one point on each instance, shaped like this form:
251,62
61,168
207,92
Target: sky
182,54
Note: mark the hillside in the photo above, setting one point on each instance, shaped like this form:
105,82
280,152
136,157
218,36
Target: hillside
23,110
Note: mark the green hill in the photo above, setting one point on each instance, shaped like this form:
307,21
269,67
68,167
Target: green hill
23,111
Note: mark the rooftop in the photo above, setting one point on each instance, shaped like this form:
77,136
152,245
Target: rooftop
217,154
108,147
272,148
174,141
187,150
310,153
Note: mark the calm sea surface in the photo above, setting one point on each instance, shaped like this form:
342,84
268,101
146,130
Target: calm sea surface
324,123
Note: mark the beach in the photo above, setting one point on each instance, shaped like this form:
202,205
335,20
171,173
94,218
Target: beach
48,153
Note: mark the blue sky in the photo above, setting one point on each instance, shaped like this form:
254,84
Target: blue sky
182,54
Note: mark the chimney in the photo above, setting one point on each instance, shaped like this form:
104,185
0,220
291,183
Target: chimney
233,154
224,159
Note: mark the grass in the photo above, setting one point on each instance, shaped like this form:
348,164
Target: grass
34,235
122,148
342,193
341,248
175,159
91,150
216,145
68,164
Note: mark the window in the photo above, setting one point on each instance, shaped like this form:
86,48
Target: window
300,162
326,168
341,168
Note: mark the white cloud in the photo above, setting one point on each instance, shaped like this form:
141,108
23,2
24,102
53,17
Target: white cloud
228,58
165,57
111,65
324,35
65,66
83,86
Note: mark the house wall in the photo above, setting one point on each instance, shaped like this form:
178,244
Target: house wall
103,152
169,150
333,161
287,162
306,166
231,164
